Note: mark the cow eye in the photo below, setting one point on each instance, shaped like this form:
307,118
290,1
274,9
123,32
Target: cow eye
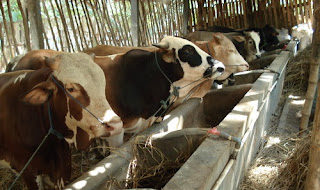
250,42
70,89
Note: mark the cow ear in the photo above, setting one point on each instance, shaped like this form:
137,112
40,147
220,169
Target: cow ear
239,38
92,55
169,57
217,38
51,62
40,93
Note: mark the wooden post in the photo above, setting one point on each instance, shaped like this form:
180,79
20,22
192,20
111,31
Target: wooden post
313,174
313,76
36,28
135,22
185,17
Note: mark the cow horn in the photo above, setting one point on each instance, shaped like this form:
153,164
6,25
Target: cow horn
51,62
163,45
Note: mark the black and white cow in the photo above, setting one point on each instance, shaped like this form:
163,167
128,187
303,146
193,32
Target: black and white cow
139,82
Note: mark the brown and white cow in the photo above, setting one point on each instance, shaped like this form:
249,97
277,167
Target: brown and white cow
138,81
31,99
247,43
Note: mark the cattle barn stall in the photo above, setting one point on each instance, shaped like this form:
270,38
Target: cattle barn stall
214,163
74,25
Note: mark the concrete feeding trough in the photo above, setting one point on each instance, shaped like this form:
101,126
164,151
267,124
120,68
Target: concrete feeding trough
212,162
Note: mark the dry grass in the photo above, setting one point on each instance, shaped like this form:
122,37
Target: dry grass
297,73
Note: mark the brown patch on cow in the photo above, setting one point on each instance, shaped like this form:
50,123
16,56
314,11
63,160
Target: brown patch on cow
82,139
75,108
169,57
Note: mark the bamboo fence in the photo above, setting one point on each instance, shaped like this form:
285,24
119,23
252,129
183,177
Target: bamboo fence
74,25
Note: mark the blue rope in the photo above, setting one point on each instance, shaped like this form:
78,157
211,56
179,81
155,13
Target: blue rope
51,131
76,100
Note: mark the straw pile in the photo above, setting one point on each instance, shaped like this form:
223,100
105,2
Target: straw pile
297,73
294,173
155,163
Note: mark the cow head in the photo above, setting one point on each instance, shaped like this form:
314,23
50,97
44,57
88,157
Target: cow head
251,44
75,75
224,50
195,63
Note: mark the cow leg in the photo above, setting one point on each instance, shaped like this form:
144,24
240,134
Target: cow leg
116,140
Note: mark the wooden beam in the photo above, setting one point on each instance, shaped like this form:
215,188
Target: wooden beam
185,17
135,22
313,174
36,25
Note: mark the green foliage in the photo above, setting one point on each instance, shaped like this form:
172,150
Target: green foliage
15,11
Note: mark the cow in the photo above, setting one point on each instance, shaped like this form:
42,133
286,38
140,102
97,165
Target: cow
151,81
247,44
303,34
45,111
268,35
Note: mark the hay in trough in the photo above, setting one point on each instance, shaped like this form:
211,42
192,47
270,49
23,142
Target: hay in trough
297,73
155,163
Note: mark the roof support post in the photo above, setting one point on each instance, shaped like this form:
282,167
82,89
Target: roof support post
135,22
185,17
36,25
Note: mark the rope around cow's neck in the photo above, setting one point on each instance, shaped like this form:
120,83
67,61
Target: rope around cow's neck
175,91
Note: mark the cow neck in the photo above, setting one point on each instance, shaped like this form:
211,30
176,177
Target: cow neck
51,131
165,104
209,52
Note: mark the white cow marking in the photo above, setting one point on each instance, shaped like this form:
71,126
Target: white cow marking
19,78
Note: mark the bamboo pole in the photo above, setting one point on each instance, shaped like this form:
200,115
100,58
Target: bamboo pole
6,29
124,23
92,35
313,174
103,23
193,16
106,17
288,14
127,22
117,24
12,28
79,25
25,26
2,46
65,27
313,76
72,25
57,26
245,19
97,22
50,25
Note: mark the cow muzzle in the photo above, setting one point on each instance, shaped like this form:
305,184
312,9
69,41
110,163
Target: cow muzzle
112,125
216,68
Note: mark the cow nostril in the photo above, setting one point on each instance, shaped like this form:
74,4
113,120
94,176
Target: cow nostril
220,69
